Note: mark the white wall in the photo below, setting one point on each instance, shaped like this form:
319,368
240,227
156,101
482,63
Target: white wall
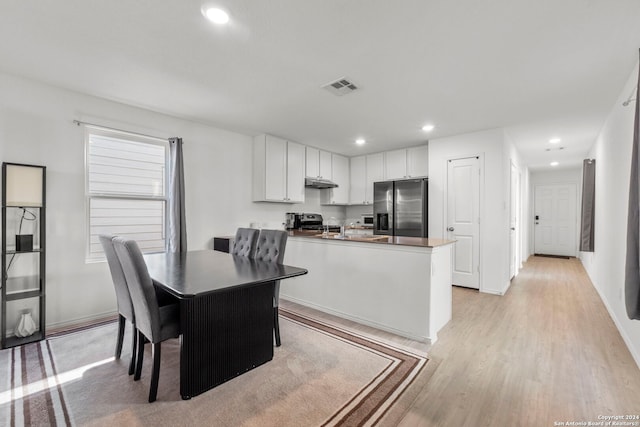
354,213
36,127
525,223
550,177
605,266
494,226
512,156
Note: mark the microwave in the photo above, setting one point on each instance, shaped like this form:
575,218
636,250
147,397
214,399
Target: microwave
367,220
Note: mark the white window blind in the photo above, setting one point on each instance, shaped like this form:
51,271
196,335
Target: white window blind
126,189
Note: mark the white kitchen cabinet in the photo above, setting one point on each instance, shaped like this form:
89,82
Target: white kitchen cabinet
318,163
326,165
407,163
365,170
395,164
340,175
312,162
375,173
357,180
278,170
295,172
418,161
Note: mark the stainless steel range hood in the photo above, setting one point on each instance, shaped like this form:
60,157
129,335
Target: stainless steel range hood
319,183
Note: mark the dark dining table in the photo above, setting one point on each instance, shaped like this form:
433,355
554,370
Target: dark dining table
226,312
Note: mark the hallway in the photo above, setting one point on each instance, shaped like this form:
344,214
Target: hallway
545,352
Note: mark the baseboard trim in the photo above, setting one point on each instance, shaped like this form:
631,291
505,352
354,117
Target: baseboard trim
613,316
79,321
366,322
492,292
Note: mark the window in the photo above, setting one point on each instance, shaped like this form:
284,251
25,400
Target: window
126,189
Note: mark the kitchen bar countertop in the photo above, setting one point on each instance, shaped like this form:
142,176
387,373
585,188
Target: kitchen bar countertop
398,284
425,242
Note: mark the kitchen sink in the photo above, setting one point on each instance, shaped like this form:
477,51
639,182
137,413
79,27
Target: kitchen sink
354,237
369,238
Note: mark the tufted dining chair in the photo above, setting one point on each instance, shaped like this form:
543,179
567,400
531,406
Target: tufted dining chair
154,322
125,306
270,247
244,244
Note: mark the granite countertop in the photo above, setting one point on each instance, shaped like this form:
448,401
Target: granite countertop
425,242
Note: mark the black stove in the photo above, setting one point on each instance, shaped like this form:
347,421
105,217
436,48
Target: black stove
312,222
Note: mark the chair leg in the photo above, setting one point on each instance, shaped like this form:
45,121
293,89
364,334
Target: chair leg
276,326
138,371
153,390
134,347
121,322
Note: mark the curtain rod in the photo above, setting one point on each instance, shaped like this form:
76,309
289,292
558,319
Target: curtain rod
78,123
630,99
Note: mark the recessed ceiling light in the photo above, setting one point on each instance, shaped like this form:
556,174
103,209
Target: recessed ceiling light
554,163
360,141
554,140
428,128
215,15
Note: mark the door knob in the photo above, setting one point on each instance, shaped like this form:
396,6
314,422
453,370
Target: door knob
450,228
513,228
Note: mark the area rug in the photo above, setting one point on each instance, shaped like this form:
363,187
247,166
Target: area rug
322,375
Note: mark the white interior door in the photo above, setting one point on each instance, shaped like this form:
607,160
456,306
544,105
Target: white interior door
555,219
514,198
463,219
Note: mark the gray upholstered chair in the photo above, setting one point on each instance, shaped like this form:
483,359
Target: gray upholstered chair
270,247
244,244
125,306
155,323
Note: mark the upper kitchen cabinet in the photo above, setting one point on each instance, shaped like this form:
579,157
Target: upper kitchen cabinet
357,180
340,175
318,164
395,164
365,170
375,173
278,170
418,161
407,163
295,172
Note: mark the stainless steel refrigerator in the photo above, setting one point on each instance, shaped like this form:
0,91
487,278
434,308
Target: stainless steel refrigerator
400,208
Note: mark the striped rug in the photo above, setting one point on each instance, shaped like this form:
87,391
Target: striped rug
322,375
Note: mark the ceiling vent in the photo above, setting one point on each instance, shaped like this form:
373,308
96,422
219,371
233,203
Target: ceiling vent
340,87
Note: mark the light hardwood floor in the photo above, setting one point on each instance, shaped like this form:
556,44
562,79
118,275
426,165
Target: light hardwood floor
545,352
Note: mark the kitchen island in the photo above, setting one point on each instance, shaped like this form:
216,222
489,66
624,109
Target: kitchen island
398,284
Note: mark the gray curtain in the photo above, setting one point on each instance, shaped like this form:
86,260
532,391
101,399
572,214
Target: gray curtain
632,269
177,218
588,205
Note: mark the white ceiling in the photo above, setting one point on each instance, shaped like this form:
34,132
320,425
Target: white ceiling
539,68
